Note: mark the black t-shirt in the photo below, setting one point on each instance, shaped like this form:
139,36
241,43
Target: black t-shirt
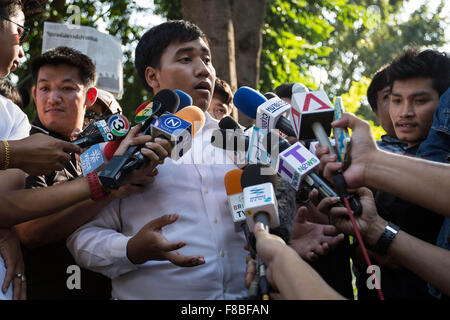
417,221
46,267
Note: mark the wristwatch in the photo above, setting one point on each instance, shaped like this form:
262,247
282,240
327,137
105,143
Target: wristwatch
383,243
97,191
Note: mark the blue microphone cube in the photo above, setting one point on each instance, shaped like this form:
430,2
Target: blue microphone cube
178,131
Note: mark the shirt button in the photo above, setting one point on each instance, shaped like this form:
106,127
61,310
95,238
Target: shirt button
215,220
222,254
206,191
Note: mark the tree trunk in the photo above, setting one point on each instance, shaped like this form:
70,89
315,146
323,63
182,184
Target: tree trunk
235,39
214,18
248,20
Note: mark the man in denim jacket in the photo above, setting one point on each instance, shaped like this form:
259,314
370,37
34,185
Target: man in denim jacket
436,147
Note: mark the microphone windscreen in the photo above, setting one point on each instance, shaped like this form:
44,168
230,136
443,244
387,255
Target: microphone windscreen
228,123
169,101
270,95
110,148
247,100
185,99
232,181
253,174
194,115
142,107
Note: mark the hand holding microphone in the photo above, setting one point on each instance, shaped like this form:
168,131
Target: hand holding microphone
160,123
361,152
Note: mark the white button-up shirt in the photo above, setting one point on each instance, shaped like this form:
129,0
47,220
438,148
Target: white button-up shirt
196,191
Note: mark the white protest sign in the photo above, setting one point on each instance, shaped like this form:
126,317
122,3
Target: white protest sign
104,49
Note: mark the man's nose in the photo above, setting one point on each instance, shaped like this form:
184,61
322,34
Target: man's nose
407,109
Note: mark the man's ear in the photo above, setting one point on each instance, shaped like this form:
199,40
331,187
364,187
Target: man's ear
34,94
91,96
151,77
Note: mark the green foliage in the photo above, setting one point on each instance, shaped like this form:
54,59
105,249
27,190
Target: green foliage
348,39
116,16
171,10
377,38
355,101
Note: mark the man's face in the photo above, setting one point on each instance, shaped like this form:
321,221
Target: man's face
187,66
382,112
60,98
10,50
412,105
218,109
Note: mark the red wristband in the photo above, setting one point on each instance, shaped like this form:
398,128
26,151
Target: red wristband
97,191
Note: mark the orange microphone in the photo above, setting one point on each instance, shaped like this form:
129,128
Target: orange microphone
233,187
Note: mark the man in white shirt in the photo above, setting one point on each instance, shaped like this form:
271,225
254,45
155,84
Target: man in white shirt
134,241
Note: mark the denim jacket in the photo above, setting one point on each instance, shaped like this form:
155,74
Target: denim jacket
436,147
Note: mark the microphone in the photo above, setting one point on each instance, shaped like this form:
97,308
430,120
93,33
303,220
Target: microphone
247,101
114,127
230,140
260,203
299,88
270,95
176,130
268,113
112,176
312,114
295,165
185,99
98,155
235,195
229,123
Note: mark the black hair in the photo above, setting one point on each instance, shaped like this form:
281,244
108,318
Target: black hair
8,90
9,8
30,8
70,57
284,90
379,82
153,43
223,89
426,64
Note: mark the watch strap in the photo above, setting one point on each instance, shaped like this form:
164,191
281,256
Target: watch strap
386,238
97,191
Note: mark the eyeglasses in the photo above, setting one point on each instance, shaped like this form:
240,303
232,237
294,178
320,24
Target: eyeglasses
25,32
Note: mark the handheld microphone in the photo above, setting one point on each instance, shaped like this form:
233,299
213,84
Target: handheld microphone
231,138
312,114
114,127
185,99
299,88
260,203
270,95
114,173
268,113
296,170
98,155
229,123
179,129
235,195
